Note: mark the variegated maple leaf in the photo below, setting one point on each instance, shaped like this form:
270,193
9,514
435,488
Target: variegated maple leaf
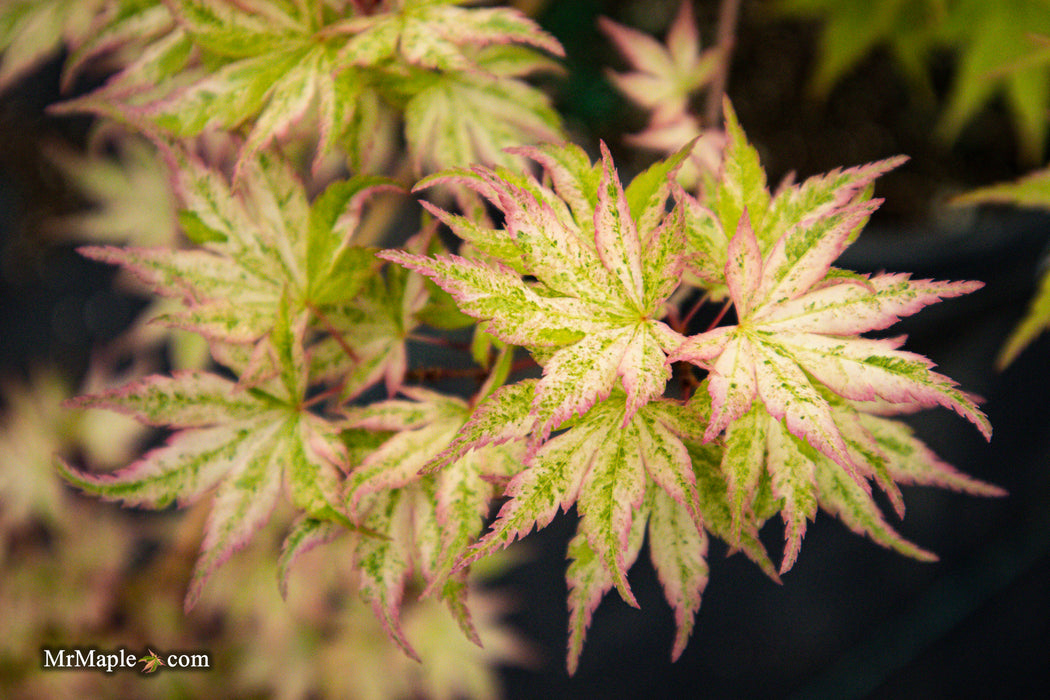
663,80
343,68
799,322
605,261
265,248
740,184
663,77
885,450
421,523
248,443
622,470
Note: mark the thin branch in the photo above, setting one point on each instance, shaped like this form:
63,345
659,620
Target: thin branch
692,312
728,16
721,315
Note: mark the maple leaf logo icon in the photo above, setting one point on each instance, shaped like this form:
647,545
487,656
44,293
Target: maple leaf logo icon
151,661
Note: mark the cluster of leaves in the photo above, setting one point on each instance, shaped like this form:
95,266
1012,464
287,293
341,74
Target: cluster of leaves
342,71
998,47
584,275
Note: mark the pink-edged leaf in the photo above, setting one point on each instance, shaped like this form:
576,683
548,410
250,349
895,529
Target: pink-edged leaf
589,580
196,274
743,266
668,338
427,533
678,551
789,396
609,497
578,376
687,421
397,414
663,78
863,369
866,454
514,312
290,98
472,117
909,461
733,384
385,563
190,463
556,249
793,480
616,235
706,240
842,497
574,179
398,461
463,497
315,459
483,26
223,320
227,29
700,349
663,261
666,461
643,369
743,463
713,492
648,192
742,179
242,506
846,308
492,242
822,195
642,50
504,415
805,253
188,399
551,481
306,533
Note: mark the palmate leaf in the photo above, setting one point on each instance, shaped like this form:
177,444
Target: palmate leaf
880,448
662,77
420,523
616,471
471,117
650,471
265,246
605,259
742,185
247,443
797,325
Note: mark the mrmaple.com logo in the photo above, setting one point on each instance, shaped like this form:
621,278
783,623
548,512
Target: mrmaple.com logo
122,659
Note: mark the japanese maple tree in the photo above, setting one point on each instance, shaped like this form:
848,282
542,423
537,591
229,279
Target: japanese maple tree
594,387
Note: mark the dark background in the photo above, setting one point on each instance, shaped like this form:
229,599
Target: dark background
851,619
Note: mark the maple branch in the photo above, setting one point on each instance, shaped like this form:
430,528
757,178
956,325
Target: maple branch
728,16
692,312
721,315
